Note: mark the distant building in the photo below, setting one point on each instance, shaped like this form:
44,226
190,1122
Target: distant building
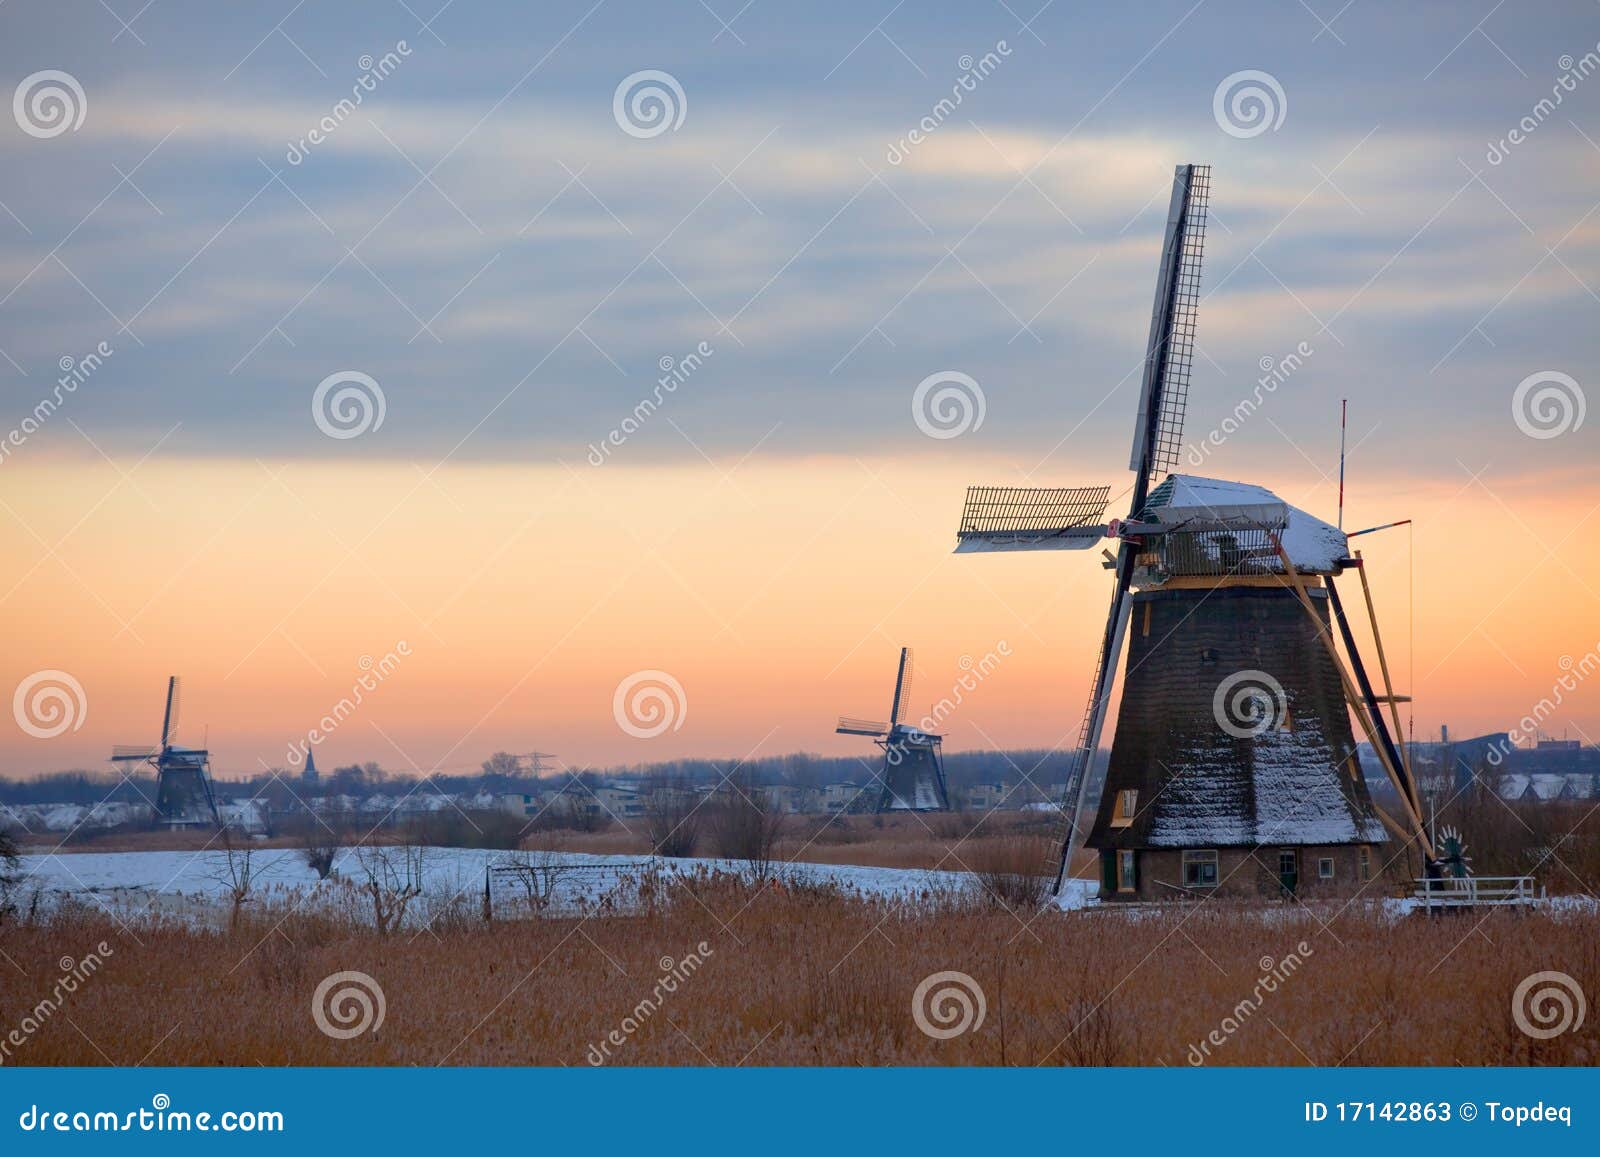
309,775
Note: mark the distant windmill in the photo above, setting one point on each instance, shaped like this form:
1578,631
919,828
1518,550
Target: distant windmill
1233,759
913,772
183,774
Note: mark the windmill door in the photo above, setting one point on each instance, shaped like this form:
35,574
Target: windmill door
1288,870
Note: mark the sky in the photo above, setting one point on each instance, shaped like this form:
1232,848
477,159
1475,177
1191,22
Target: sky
525,394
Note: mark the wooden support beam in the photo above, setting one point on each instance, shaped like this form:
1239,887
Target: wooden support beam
1352,695
1383,665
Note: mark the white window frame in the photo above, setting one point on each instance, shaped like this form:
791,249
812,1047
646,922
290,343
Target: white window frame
1324,862
1200,857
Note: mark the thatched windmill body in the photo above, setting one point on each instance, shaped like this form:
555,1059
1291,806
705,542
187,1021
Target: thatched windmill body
1234,764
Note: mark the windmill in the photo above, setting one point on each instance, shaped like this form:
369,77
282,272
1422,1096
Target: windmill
183,774
1234,758
913,772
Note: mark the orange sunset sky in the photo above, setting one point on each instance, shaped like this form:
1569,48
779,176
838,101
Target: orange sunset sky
776,594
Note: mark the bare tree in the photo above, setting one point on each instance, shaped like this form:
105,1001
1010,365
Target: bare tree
10,873
539,874
237,875
319,846
672,815
391,877
747,825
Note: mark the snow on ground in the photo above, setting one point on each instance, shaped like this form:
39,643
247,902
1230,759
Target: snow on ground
133,883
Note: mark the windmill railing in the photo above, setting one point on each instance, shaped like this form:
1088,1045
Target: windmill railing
1474,891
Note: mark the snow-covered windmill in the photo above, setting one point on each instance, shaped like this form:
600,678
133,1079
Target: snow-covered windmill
183,774
913,772
1234,765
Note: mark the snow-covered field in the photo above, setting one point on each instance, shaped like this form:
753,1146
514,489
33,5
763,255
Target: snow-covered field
132,884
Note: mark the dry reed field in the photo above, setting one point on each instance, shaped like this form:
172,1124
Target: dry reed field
718,971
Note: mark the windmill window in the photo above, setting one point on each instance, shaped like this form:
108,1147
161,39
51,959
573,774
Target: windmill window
1325,868
1366,863
1127,871
1208,657
1200,869
1127,806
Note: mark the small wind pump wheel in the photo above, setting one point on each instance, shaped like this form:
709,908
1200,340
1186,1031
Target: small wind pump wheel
1453,859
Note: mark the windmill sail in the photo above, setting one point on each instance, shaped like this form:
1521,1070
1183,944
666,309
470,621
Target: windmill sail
902,688
1169,353
997,518
1157,439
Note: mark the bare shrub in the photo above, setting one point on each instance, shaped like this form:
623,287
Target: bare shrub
1009,869
10,874
672,817
539,874
745,826
391,878
319,847
237,875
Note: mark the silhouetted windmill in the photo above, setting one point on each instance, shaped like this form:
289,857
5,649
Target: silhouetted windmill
183,774
913,772
1234,756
